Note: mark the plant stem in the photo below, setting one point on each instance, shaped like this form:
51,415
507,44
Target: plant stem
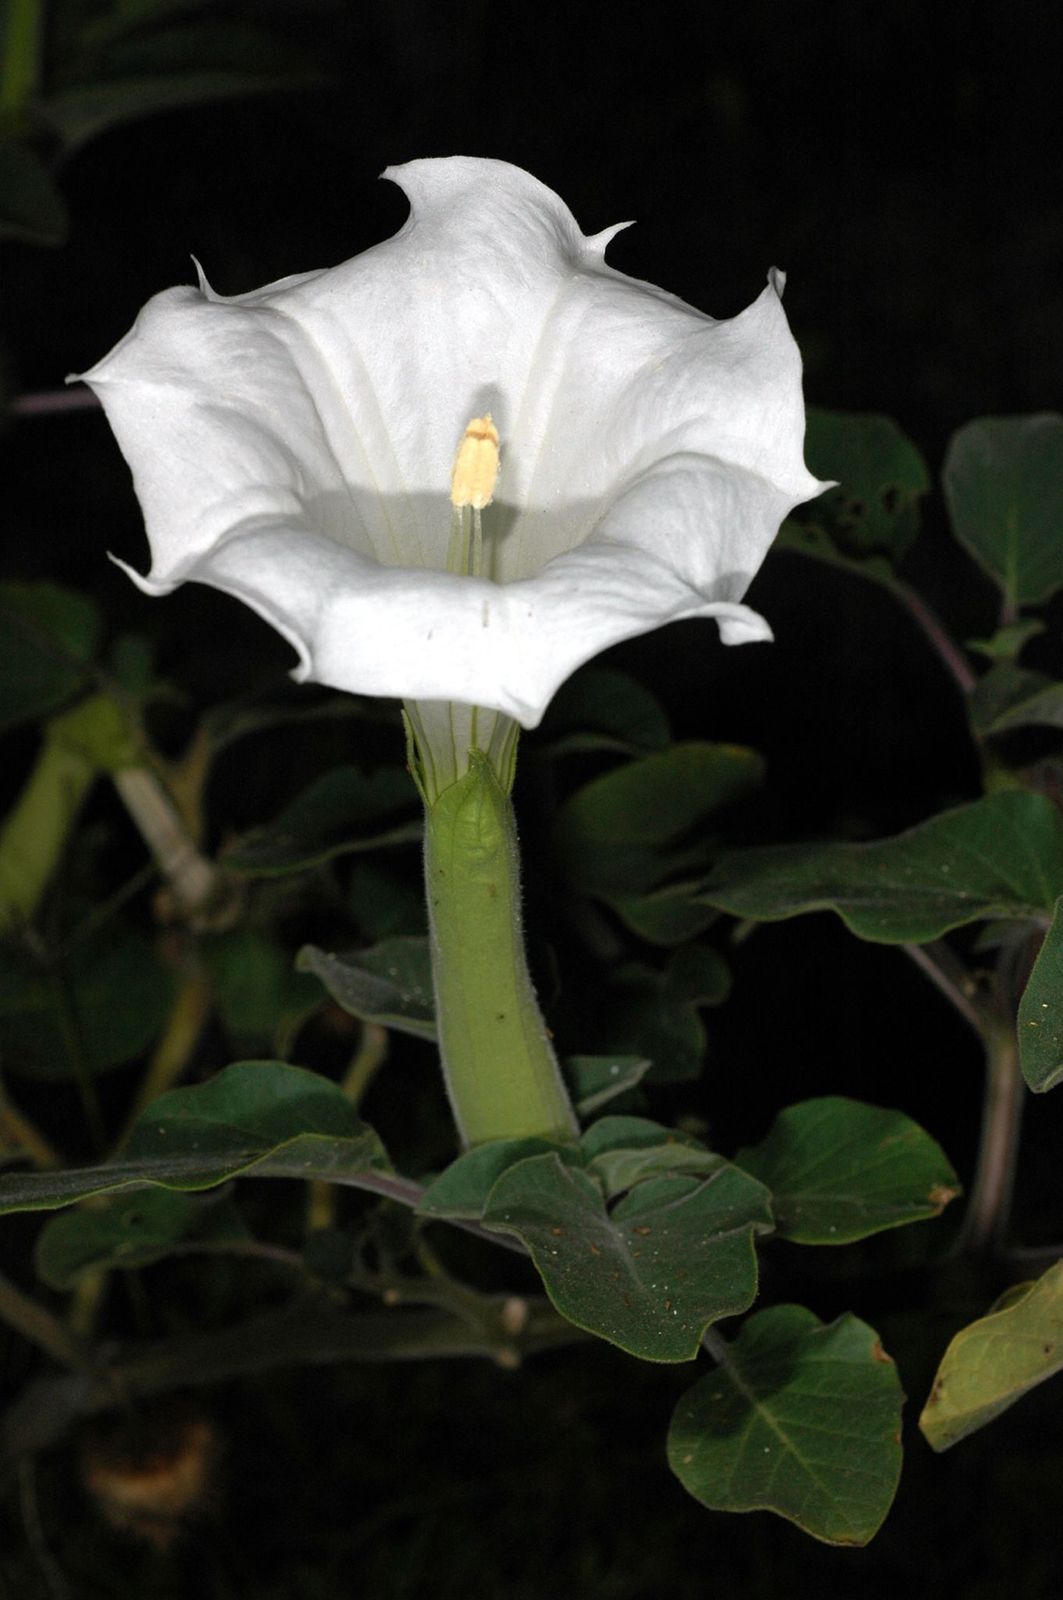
23,41
364,1064
938,635
37,1324
989,1206
35,831
193,879
499,1066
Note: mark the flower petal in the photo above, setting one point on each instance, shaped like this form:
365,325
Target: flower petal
293,446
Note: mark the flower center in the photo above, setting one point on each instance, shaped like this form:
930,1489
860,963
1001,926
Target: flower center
472,486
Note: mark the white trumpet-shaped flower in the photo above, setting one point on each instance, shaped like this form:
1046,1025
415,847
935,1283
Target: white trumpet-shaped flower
297,447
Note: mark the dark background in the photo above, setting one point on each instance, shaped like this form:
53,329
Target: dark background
901,161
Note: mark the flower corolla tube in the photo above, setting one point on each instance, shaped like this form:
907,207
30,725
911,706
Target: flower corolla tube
628,460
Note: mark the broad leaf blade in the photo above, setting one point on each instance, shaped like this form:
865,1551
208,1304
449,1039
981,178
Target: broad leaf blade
1003,480
129,1231
1001,856
601,709
1041,1012
624,832
995,1361
650,1275
343,811
868,522
391,983
48,636
839,1170
255,1117
802,1419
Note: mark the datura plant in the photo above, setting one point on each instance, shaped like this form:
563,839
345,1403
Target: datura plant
450,472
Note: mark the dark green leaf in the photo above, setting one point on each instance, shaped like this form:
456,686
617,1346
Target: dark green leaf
390,984
260,996
655,1013
595,1080
462,1190
345,810
78,114
47,639
998,857
800,1418
107,1001
996,1360
840,1170
649,1274
623,833
869,521
261,1118
599,709
1010,697
129,1231
31,207
1041,1012
1003,479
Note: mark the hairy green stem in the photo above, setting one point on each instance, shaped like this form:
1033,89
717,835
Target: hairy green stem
501,1073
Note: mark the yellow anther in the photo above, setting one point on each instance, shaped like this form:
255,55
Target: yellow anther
476,466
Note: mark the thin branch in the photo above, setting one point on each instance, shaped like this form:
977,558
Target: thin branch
948,974
51,402
935,631
36,1323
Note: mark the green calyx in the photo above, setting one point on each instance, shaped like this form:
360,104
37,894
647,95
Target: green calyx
500,1069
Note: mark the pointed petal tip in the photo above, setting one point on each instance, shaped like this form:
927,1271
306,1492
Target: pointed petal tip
147,585
597,243
777,280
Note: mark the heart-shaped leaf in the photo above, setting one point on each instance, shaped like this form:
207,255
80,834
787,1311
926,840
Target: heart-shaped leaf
799,1418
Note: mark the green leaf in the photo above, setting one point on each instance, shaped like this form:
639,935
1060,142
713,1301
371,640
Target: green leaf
48,636
595,1080
79,114
669,915
624,832
345,810
260,996
461,1191
258,1118
31,207
655,1013
390,984
800,1418
129,1231
1041,1012
869,521
996,1360
1009,641
839,1170
600,709
1001,856
110,994
1009,697
653,1271
1003,480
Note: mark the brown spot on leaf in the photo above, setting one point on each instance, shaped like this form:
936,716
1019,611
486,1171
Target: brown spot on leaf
879,1354
643,1230
940,1195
